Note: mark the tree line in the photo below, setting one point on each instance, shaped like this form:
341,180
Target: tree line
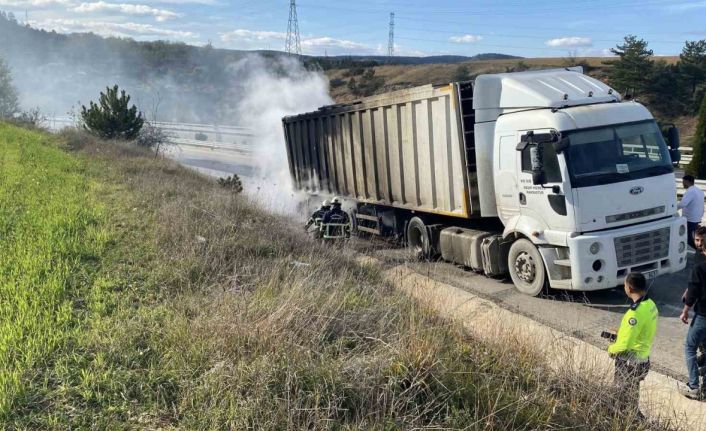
671,89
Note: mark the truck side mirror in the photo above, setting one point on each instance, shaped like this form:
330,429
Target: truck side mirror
560,145
539,177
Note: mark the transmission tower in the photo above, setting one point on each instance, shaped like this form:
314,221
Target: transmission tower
293,44
391,40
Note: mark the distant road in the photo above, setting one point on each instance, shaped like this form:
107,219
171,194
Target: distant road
210,148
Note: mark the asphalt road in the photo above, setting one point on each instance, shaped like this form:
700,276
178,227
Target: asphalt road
583,315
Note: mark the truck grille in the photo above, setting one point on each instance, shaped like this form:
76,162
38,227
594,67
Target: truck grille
642,247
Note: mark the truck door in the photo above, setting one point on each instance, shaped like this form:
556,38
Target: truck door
547,204
506,187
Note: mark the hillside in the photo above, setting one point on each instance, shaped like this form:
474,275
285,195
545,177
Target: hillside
395,77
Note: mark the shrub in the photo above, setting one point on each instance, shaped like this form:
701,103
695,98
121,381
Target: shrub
111,118
231,182
154,138
336,82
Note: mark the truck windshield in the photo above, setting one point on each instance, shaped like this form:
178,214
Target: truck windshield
611,154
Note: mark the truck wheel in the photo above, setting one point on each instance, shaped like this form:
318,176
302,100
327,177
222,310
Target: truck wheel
418,238
526,267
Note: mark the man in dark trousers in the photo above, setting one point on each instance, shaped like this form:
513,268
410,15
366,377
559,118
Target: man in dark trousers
692,206
633,343
695,297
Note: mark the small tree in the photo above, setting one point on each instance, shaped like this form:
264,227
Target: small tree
697,166
463,73
111,117
692,64
9,105
633,67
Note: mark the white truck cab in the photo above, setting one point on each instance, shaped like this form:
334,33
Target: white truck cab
605,200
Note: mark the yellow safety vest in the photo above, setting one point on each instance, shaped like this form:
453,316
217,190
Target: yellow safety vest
637,330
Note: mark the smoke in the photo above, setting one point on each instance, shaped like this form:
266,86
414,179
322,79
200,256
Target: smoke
268,94
176,83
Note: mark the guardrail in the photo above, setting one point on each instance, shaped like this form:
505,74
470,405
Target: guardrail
218,131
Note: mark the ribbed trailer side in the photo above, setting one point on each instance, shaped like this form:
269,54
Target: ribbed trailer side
404,149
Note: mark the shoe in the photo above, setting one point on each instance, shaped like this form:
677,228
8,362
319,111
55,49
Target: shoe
689,392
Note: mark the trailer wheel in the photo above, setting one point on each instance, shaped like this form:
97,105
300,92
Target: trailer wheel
526,267
418,238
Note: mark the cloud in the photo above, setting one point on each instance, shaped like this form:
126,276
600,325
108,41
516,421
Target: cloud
104,28
242,38
251,35
466,38
594,52
570,42
24,4
330,42
160,15
182,2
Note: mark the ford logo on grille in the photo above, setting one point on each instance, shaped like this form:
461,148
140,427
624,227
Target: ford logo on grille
637,190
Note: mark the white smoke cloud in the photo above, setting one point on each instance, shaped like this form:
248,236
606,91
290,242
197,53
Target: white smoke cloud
267,95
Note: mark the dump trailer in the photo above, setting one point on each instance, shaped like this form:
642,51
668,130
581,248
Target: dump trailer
547,176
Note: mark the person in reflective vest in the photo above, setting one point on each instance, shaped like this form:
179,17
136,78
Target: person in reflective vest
331,224
319,214
633,344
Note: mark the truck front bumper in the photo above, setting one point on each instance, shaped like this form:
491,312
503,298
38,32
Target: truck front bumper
601,260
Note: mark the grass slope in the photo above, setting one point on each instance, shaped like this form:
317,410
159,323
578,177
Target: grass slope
139,295
50,235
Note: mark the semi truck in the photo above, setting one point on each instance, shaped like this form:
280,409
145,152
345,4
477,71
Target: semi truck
548,176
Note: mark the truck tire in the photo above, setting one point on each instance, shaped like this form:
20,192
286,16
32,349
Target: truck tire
526,267
418,238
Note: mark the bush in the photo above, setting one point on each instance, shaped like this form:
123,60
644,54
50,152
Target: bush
30,119
154,138
336,82
463,73
231,182
111,118
367,85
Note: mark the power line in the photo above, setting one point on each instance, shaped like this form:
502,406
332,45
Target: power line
391,38
293,44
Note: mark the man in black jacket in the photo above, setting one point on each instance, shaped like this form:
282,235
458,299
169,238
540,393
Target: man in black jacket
695,297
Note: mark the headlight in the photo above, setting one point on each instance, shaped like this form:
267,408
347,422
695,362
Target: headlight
595,248
682,247
682,230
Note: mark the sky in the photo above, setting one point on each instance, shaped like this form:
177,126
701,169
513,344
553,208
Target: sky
538,28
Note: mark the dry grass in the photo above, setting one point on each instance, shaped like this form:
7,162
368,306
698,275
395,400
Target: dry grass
210,314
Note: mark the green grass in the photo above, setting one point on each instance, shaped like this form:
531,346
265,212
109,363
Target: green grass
116,314
51,236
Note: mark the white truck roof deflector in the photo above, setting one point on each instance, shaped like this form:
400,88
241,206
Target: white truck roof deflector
556,88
